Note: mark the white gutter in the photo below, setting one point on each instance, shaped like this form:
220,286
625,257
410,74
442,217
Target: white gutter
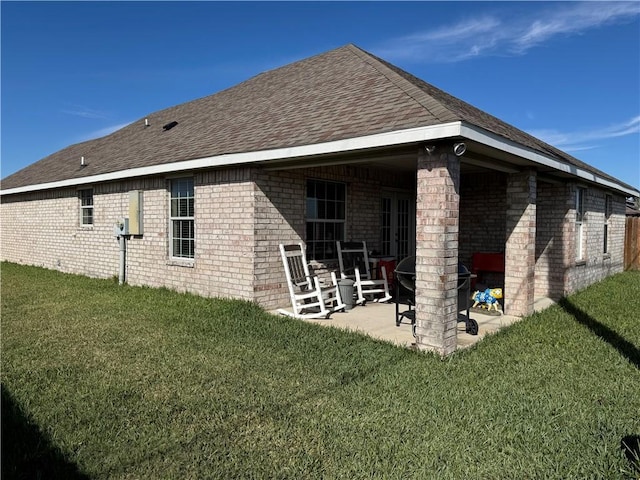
487,138
399,137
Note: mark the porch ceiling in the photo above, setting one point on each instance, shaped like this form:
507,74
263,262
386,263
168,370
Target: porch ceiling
477,158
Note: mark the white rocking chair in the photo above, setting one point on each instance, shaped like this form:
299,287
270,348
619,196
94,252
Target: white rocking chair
309,298
354,264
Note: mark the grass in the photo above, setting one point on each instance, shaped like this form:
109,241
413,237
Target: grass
107,381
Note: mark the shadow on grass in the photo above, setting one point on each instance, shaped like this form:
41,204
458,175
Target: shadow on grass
630,445
625,347
26,452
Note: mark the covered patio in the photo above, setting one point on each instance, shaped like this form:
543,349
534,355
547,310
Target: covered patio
438,202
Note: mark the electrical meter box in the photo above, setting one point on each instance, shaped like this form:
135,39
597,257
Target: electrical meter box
121,227
135,212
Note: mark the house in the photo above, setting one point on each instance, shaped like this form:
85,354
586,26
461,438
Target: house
342,145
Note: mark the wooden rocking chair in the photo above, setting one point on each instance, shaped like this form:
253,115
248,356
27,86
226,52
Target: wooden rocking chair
309,298
354,264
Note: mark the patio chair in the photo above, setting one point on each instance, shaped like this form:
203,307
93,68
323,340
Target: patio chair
354,264
309,297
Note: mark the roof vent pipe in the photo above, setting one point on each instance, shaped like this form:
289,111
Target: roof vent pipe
82,164
146,122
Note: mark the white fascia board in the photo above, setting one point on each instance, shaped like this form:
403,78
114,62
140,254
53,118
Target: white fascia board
399,137
482,136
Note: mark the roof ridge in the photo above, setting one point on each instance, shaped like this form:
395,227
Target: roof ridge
410,88
550,149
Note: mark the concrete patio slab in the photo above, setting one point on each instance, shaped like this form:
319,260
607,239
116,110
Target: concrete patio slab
378,321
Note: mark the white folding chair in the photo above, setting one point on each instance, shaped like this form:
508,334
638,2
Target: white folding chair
309,298
354,264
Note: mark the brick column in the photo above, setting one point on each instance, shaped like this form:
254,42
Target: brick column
437,213
520,251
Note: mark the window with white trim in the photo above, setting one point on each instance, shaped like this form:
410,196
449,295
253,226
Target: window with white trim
326,206
181,219
607,216
580,194
86,207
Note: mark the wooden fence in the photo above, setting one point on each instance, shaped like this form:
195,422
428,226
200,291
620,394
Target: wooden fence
632,244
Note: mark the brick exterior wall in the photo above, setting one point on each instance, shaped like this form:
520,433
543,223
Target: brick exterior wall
555,245
437,220
520,243
483,227
595,264
242,214
223,263
483,201
280,217
43,229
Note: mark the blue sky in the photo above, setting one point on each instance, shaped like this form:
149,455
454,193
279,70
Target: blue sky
566,72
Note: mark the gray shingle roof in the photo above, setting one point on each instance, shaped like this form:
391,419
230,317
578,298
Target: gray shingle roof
339,94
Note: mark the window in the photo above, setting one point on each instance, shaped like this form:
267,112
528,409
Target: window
607,215
325,218
580,194
86,207
182,238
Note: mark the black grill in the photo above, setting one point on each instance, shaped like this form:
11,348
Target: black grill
406,275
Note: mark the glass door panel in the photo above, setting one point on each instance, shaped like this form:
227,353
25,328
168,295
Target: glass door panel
397,235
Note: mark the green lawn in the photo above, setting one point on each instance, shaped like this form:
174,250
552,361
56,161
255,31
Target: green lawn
108,381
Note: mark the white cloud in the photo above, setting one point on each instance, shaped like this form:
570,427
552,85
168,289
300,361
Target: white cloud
85,112
583,140
574,20
465,39
103,131
505,33
463,29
